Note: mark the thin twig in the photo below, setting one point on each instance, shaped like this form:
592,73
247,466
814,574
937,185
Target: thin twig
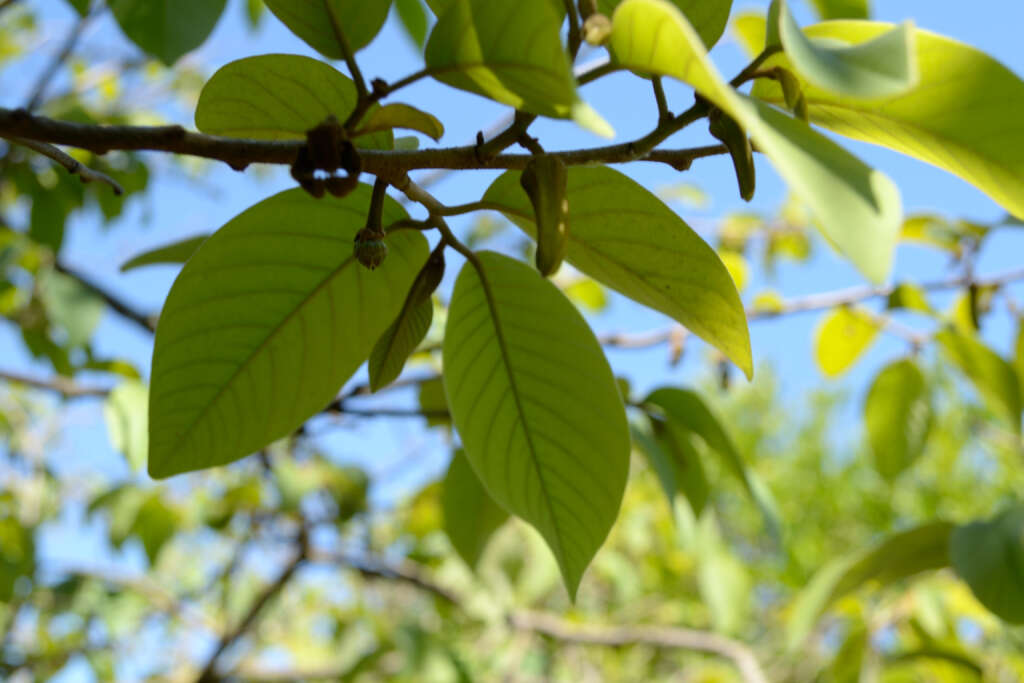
371,568
36,97
657,636
71,164
61,385
126,311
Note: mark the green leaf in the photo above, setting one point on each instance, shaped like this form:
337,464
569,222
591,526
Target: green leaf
749,29
842,9
857,207
900,556
1018,352
80,6
993,377
708,17
155,524
687,411
511,53
278,97
413,17
909,296
961,116
883,67
75,310
175,252
167,29
125,413
897,417
675,462
318,22
843,335
17,555
394,346
989,556
626,238
264,324
536,406
725,583
431,399
470,515
402,116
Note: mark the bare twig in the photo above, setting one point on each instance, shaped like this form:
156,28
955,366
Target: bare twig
126,311
61,385
72,165
656,636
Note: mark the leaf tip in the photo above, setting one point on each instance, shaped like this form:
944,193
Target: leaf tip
587,117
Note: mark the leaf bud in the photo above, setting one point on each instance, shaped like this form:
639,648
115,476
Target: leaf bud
370,249
545,179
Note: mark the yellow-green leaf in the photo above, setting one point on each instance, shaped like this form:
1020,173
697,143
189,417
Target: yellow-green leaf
536,406
175,252
884,66
961,116
626,238
993,377
278,97
264,324
470,515
401,116
842,336
510,52
858,208
394,346
897,417
749,28
989,556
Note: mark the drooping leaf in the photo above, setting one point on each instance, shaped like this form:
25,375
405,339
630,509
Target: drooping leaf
155,523
167,29
470,515
858,208
843,335
897,417
394,346
989,556
536,406
993,377
626,238
318,22
675,462
264,324
511,53
960,116
708,17
883,67
685,410
278,97
125,414
899,556
842,9
402,116
175,252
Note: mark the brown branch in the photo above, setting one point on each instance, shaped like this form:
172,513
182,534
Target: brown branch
61,385
655,636
209,672
403,572
239,153
71,164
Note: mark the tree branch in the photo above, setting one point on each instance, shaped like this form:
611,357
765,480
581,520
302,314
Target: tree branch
656,636
404,572
71,164
61,385
146,322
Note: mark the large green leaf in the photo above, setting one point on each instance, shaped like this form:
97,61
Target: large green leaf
857,207
510,52
841,338
989,556
882,67
899,556
536,406
175,252
708,17
318,22
167,29
897,417
626,238
470,516
961,116
993,377
264,324
278,97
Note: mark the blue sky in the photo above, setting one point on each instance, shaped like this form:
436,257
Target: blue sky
177,207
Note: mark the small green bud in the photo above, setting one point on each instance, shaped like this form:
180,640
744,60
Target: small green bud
370,249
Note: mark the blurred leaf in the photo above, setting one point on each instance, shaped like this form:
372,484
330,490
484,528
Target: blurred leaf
842,9
675,462
17,555
737,266
167,29
155,524
413,17
989,556
993,377
587,294
909,296
842,336
175,252
125,412
470,515
897,417
688,194
1018,351
884,66
71,306
749,28
724,582
433,402
708,17
316,22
